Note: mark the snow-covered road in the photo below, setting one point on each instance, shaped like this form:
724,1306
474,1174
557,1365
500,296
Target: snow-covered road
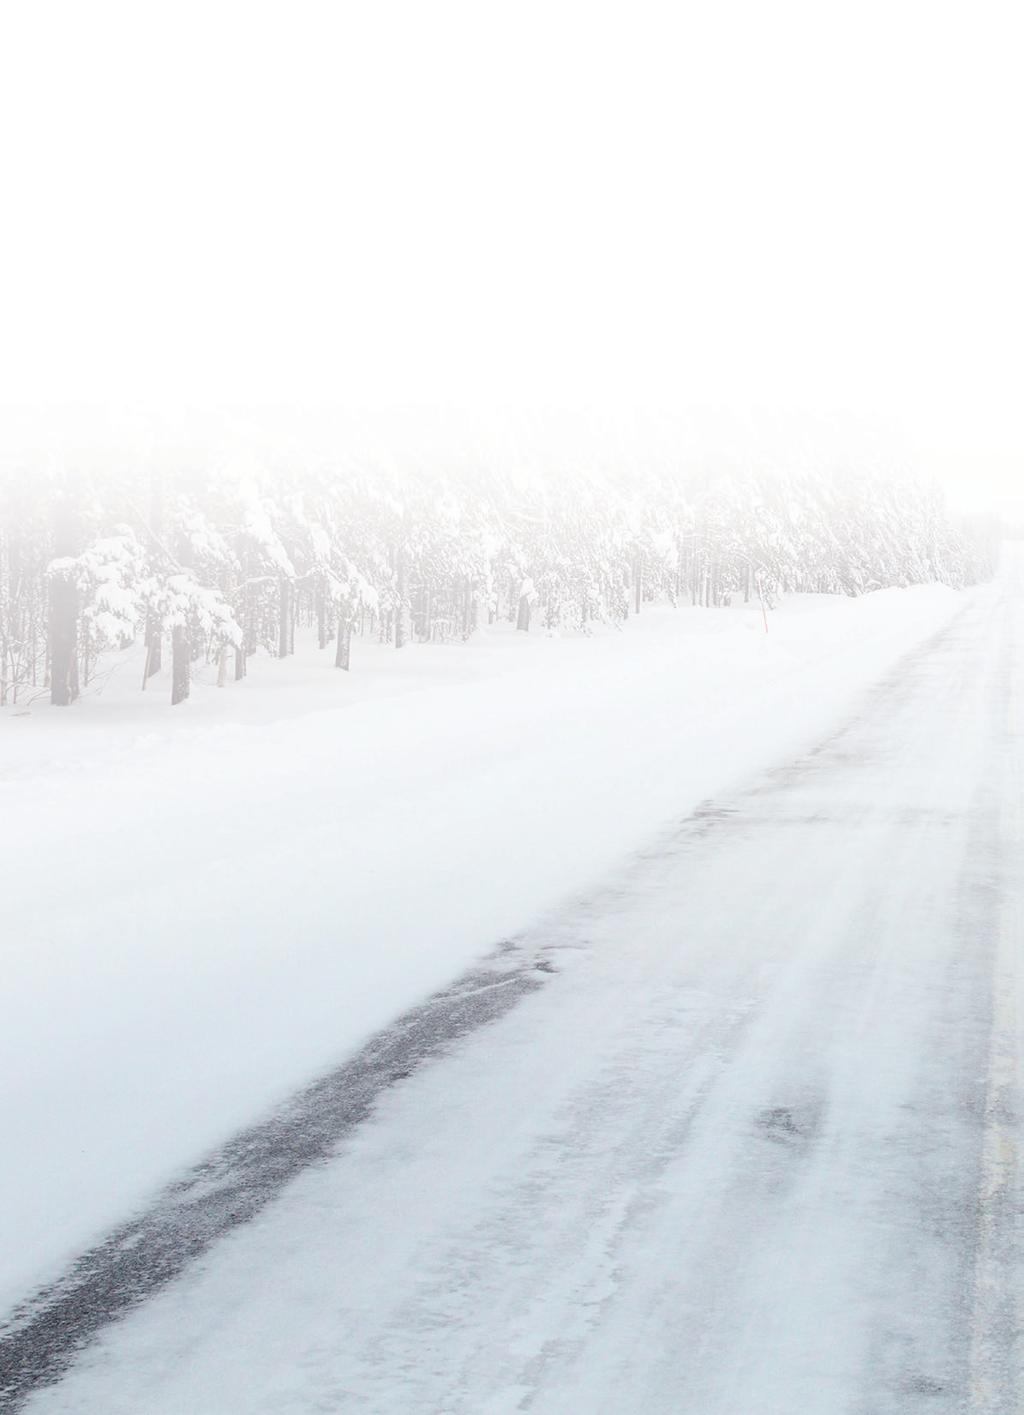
751,1148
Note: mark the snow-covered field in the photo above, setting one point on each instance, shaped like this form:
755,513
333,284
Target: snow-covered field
207,906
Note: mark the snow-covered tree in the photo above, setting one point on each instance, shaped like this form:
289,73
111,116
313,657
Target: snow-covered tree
246,559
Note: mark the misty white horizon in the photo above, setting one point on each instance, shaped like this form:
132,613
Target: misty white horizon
769,235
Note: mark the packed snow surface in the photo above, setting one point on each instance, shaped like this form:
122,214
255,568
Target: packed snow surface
205,907
749,1149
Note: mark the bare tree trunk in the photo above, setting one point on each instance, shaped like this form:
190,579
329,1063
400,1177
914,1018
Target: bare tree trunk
154,637
33,646
343,650
321,615
63,642
64,613
248,614
154,648
400,608
181,664
284,623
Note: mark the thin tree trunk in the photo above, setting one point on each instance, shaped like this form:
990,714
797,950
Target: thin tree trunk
343,650
154,636
181,664
64,614
400,607
63,641
284,623
154,647
321,616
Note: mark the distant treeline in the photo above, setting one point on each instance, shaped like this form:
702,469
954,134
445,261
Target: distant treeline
209,568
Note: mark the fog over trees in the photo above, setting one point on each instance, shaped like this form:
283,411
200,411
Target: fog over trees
217,568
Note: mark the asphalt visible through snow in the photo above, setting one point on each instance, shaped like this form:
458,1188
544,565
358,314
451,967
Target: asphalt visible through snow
41,1338
739,1135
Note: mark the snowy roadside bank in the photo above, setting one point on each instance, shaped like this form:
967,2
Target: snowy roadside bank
206,909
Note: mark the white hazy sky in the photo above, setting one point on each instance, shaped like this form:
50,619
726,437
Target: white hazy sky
761,214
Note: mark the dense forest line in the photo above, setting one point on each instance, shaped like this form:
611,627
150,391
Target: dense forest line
217,568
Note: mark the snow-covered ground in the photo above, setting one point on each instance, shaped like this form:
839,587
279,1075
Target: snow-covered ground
751,1148
207,906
